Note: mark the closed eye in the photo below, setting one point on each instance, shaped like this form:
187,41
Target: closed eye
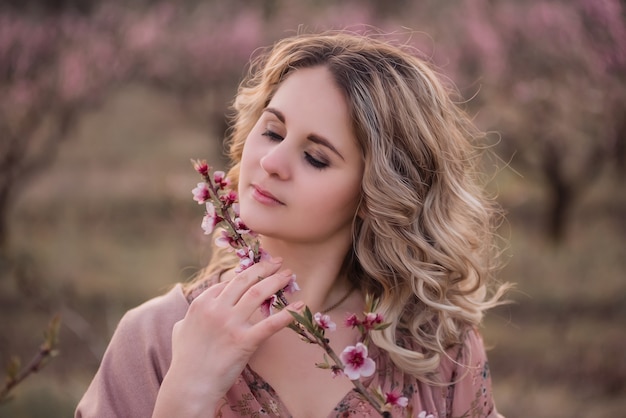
316,163
272,135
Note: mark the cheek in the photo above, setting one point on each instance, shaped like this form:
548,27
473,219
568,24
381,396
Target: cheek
247,157
344,199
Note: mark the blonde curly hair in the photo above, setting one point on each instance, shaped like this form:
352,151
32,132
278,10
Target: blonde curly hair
424,237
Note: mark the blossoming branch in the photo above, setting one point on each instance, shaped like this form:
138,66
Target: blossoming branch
222,210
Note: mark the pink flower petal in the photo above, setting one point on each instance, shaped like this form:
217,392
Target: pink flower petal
201,193
336,371
229,198
292,287
394,398
244,263
210,219
264,255
267,308
224,240
208,224
324,322
371,320
219,177
201,167
352,321
356,363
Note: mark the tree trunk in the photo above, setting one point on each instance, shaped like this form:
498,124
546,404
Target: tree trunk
620,147
560,208
4,223
561,195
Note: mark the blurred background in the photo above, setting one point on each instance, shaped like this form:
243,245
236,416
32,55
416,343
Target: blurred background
103,103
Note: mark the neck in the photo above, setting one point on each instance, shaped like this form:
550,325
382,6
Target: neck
317,268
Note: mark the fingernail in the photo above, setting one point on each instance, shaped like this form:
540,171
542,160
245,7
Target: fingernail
296,306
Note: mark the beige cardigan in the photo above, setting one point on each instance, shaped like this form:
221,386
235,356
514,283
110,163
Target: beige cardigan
137,359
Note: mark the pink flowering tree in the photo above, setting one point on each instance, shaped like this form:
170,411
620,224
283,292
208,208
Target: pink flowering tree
550,77
54,68
42,84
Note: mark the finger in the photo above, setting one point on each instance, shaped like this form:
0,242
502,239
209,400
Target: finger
211,292
242,281
257,294
269,326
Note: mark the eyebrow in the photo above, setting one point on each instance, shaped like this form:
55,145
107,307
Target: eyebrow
317,139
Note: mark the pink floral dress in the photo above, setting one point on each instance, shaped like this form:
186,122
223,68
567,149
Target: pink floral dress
471,396
139,355
468,394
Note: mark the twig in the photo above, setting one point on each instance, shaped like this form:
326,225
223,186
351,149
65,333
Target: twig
47,351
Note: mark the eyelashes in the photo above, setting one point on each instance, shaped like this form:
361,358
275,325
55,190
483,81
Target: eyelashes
272,135
315,162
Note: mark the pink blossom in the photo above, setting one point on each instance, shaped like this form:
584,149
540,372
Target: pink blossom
201,167
356,363
352,321
292,287
336,371
267,308
201,193
224,240
229,198
264,255
246,257
324,322
393,398
219,177
371,320
210,219
241,226
424,414
244,263
207,224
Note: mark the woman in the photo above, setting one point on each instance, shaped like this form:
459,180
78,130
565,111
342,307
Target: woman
356,169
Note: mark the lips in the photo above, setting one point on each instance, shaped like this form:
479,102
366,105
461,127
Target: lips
264,196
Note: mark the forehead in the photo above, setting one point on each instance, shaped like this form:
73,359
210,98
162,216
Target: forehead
310,98
316,82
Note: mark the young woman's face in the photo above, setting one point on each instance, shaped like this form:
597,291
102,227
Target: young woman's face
301,168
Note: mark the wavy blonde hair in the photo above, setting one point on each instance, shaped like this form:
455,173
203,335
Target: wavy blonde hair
424,237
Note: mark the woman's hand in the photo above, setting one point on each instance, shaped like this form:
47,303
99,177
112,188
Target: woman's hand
217,337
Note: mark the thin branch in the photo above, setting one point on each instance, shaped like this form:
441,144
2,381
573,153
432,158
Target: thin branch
47,351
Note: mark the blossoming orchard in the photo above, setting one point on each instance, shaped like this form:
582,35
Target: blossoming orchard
548,75
545,78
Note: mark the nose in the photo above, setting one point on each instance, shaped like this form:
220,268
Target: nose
275,162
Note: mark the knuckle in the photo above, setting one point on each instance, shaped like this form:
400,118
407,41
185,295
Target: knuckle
204,308
255,293
265,267
236,335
